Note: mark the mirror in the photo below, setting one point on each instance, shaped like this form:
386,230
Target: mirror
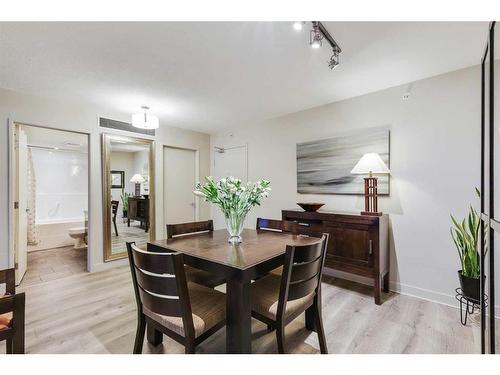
128,183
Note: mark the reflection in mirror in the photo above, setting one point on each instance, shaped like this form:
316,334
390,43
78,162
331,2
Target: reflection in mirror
129,197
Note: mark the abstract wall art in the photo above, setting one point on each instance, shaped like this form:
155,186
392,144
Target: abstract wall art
324,166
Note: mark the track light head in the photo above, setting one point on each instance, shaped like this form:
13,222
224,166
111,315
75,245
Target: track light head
315,37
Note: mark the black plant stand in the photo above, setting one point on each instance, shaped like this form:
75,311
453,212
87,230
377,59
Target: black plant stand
467,305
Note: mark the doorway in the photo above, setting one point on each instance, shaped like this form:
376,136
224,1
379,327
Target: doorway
180,204
49,198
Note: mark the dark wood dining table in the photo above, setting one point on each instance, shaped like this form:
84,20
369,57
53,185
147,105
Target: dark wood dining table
258,253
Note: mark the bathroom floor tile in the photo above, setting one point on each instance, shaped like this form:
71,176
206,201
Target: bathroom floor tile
52,264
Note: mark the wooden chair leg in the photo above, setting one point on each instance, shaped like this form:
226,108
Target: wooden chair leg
18,338
139,335
320,329
280,337
386,282
116,229
9,346
155,337
189,348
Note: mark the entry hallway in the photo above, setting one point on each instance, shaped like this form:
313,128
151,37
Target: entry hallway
96,313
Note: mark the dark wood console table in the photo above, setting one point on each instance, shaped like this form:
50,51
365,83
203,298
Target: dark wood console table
358,244
138,209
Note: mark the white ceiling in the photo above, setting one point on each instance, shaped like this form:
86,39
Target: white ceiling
213,75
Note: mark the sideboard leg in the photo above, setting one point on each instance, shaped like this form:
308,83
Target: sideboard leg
386,282
377,291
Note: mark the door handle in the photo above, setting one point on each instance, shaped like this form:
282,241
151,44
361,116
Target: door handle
370,248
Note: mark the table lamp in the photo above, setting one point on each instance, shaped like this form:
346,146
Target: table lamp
368,164
138,180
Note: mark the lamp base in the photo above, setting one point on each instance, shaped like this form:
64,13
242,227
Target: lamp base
366,213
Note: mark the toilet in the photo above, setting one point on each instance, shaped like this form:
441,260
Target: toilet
79,234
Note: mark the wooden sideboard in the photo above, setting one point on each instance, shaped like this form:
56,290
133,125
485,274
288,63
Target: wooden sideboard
358,244
138,209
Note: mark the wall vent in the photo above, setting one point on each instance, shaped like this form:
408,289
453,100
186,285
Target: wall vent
120,125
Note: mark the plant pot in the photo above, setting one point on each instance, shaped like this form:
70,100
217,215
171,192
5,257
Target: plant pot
471,287
124,213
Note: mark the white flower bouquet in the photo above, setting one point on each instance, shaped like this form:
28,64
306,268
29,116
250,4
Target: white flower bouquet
235,199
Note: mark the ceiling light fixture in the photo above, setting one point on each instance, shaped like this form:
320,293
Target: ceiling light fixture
145,120
298,25
316,36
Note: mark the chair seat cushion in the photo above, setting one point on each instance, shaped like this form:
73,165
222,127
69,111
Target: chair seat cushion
208,309
202,277
265,295
5,319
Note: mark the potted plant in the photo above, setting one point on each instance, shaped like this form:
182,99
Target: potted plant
235,199
466,236
124,197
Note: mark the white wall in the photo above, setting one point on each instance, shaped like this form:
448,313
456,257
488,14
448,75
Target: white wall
78,116
435,165
122,161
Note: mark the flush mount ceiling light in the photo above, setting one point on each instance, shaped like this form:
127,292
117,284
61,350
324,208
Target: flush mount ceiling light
299,25
316,36
145,120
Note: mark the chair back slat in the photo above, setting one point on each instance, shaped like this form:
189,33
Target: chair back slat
302,288
114,206
174,230
307,253
302,270
160,263
276,225
161,305
159,281
306,270
165,284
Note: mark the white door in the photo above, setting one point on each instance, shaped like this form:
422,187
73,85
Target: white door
179,178
21,219
231,161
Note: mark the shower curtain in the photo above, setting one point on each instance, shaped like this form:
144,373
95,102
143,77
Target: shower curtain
31,204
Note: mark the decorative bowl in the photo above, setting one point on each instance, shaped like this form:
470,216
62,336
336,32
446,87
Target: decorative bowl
311,206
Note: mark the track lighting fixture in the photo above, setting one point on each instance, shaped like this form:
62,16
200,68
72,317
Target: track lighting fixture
316,36
334,59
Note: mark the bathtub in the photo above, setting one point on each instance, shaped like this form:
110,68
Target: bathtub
53,233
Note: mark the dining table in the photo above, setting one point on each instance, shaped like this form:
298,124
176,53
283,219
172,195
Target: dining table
259,252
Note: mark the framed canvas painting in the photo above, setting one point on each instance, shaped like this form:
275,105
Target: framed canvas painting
324,166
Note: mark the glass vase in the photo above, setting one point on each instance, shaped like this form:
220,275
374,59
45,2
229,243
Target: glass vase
234,225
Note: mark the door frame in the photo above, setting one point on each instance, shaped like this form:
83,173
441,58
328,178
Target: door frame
196,177
11,124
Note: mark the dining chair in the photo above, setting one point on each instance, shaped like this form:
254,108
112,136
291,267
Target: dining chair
277,300
276,225
186,312
193,274
11,313
114,211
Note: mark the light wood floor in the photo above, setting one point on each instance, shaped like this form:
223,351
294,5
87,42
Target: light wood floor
96,313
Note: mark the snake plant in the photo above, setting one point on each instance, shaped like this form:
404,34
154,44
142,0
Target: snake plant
465,235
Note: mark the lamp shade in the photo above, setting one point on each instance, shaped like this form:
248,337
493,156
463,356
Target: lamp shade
370,163
137,179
